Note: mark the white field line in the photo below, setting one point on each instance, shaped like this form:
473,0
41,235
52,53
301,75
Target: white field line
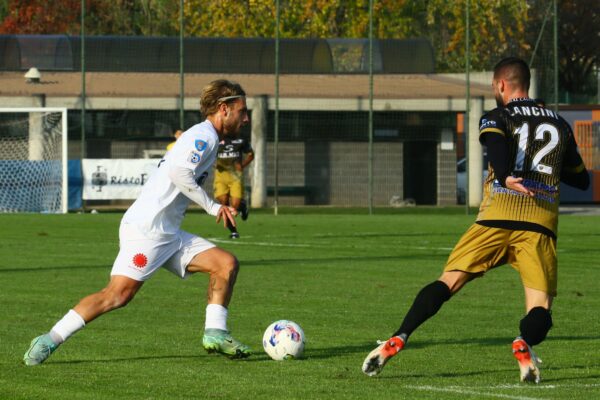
268,244
547,386
429,248
307,245
244,242
459,390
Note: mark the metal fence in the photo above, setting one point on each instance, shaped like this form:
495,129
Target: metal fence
369,120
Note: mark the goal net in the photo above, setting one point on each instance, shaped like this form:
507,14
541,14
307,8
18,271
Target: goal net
33,160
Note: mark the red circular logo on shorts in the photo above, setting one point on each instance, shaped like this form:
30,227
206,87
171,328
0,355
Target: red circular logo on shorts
140,260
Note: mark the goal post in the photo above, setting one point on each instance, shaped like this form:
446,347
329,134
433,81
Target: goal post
33,160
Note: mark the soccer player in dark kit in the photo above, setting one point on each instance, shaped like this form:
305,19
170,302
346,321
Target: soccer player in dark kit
530,150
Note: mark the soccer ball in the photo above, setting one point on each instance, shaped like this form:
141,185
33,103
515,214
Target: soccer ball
284,340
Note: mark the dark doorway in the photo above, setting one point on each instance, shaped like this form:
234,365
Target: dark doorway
420,172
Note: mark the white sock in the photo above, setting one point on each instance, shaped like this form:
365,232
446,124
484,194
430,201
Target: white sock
67,326
216,317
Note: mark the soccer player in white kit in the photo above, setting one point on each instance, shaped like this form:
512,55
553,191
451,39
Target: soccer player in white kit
150,234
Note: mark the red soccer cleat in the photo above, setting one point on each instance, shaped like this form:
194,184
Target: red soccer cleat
528,361
377,359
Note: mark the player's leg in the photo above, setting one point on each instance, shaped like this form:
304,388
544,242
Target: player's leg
222,193
430,299
534,328
426,304
119,291
237,196
535,259
534,256
222,268
138,258
225,200
469,259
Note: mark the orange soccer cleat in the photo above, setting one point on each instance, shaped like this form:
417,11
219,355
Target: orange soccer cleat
377,358
528,361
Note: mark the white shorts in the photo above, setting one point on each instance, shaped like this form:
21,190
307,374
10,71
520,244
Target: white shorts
140,257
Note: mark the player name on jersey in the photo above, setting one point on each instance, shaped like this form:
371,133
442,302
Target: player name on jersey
532,111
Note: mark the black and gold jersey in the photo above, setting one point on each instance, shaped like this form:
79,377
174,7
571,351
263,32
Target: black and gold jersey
230,152
540,145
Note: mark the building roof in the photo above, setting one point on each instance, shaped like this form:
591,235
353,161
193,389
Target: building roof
166,85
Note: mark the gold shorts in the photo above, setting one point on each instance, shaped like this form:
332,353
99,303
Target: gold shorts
532,254
228,183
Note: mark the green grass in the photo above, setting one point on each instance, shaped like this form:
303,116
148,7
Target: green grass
346,278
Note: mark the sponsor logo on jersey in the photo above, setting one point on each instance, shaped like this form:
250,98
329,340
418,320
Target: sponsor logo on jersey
194,157
548,193
200,145
140,260
487,123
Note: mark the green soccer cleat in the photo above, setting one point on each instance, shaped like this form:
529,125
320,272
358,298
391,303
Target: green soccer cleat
40,349
220,341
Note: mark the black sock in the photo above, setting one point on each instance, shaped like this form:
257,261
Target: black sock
426,305
231,228
535,325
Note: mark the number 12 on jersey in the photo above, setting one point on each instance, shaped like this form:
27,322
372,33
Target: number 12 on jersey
540,134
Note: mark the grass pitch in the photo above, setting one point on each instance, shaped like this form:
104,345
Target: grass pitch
347,279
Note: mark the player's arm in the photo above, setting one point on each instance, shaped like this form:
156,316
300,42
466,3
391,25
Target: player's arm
183,179
196,155
492,134
249,155
497,150
573,172
248,159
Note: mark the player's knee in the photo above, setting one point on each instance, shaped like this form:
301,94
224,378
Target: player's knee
229,266
233,265
118,298
535,325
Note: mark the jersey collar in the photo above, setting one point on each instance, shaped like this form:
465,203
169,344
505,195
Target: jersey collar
519,99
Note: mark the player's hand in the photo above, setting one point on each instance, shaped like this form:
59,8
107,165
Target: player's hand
516,184
227,214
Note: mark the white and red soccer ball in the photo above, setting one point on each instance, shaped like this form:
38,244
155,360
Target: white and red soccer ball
284,340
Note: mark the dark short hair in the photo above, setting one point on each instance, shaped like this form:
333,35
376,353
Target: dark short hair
514,70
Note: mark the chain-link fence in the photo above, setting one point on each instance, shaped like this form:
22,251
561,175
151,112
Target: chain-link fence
353,116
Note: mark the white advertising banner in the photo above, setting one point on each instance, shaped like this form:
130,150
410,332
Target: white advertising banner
112,179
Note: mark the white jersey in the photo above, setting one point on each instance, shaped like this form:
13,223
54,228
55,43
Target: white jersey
161,205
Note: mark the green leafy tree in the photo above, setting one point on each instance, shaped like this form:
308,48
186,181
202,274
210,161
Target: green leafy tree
133,18
579,45
445,26
441,21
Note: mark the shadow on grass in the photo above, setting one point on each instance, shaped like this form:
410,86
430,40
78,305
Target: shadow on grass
57,268
325,260
332,352
198,356
387,235
361,350
282,261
